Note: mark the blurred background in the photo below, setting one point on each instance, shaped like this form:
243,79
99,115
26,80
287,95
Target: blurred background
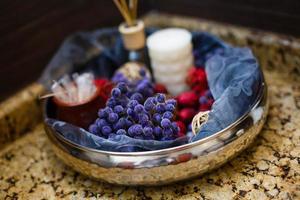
31,31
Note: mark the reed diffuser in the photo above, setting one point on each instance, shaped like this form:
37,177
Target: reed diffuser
128,11
132,30
133,35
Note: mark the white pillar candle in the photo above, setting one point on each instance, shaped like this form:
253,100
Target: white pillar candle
170,51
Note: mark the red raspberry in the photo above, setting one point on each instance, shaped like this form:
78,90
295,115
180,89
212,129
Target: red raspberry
100,82
210,102
186,114
105,86
182,128
160,88
197,80
203,93
204,107
188,99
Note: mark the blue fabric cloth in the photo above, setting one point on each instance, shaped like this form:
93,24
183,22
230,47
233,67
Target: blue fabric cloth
233,74
234,78
121,143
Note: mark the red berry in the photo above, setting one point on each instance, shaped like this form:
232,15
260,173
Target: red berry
202,93
186,114
210,102
197,80
160,88
188,99
182,128
104,86
100,82
180,134
205,107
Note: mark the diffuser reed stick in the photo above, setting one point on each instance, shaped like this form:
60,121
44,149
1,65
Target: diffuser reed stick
128,10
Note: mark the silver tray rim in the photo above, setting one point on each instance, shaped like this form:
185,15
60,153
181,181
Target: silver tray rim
262,92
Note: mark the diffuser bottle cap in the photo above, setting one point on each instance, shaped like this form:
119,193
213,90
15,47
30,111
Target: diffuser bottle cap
133,36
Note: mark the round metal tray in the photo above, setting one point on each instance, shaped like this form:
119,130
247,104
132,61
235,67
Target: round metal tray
167,165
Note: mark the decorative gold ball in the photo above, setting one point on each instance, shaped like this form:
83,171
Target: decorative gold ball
131,70
198,121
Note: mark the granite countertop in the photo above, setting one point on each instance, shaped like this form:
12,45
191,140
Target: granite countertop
269,168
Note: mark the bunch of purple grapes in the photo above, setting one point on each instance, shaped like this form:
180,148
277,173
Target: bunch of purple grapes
132,110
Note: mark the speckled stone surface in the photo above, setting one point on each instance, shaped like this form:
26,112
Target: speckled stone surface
20,113
268,169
